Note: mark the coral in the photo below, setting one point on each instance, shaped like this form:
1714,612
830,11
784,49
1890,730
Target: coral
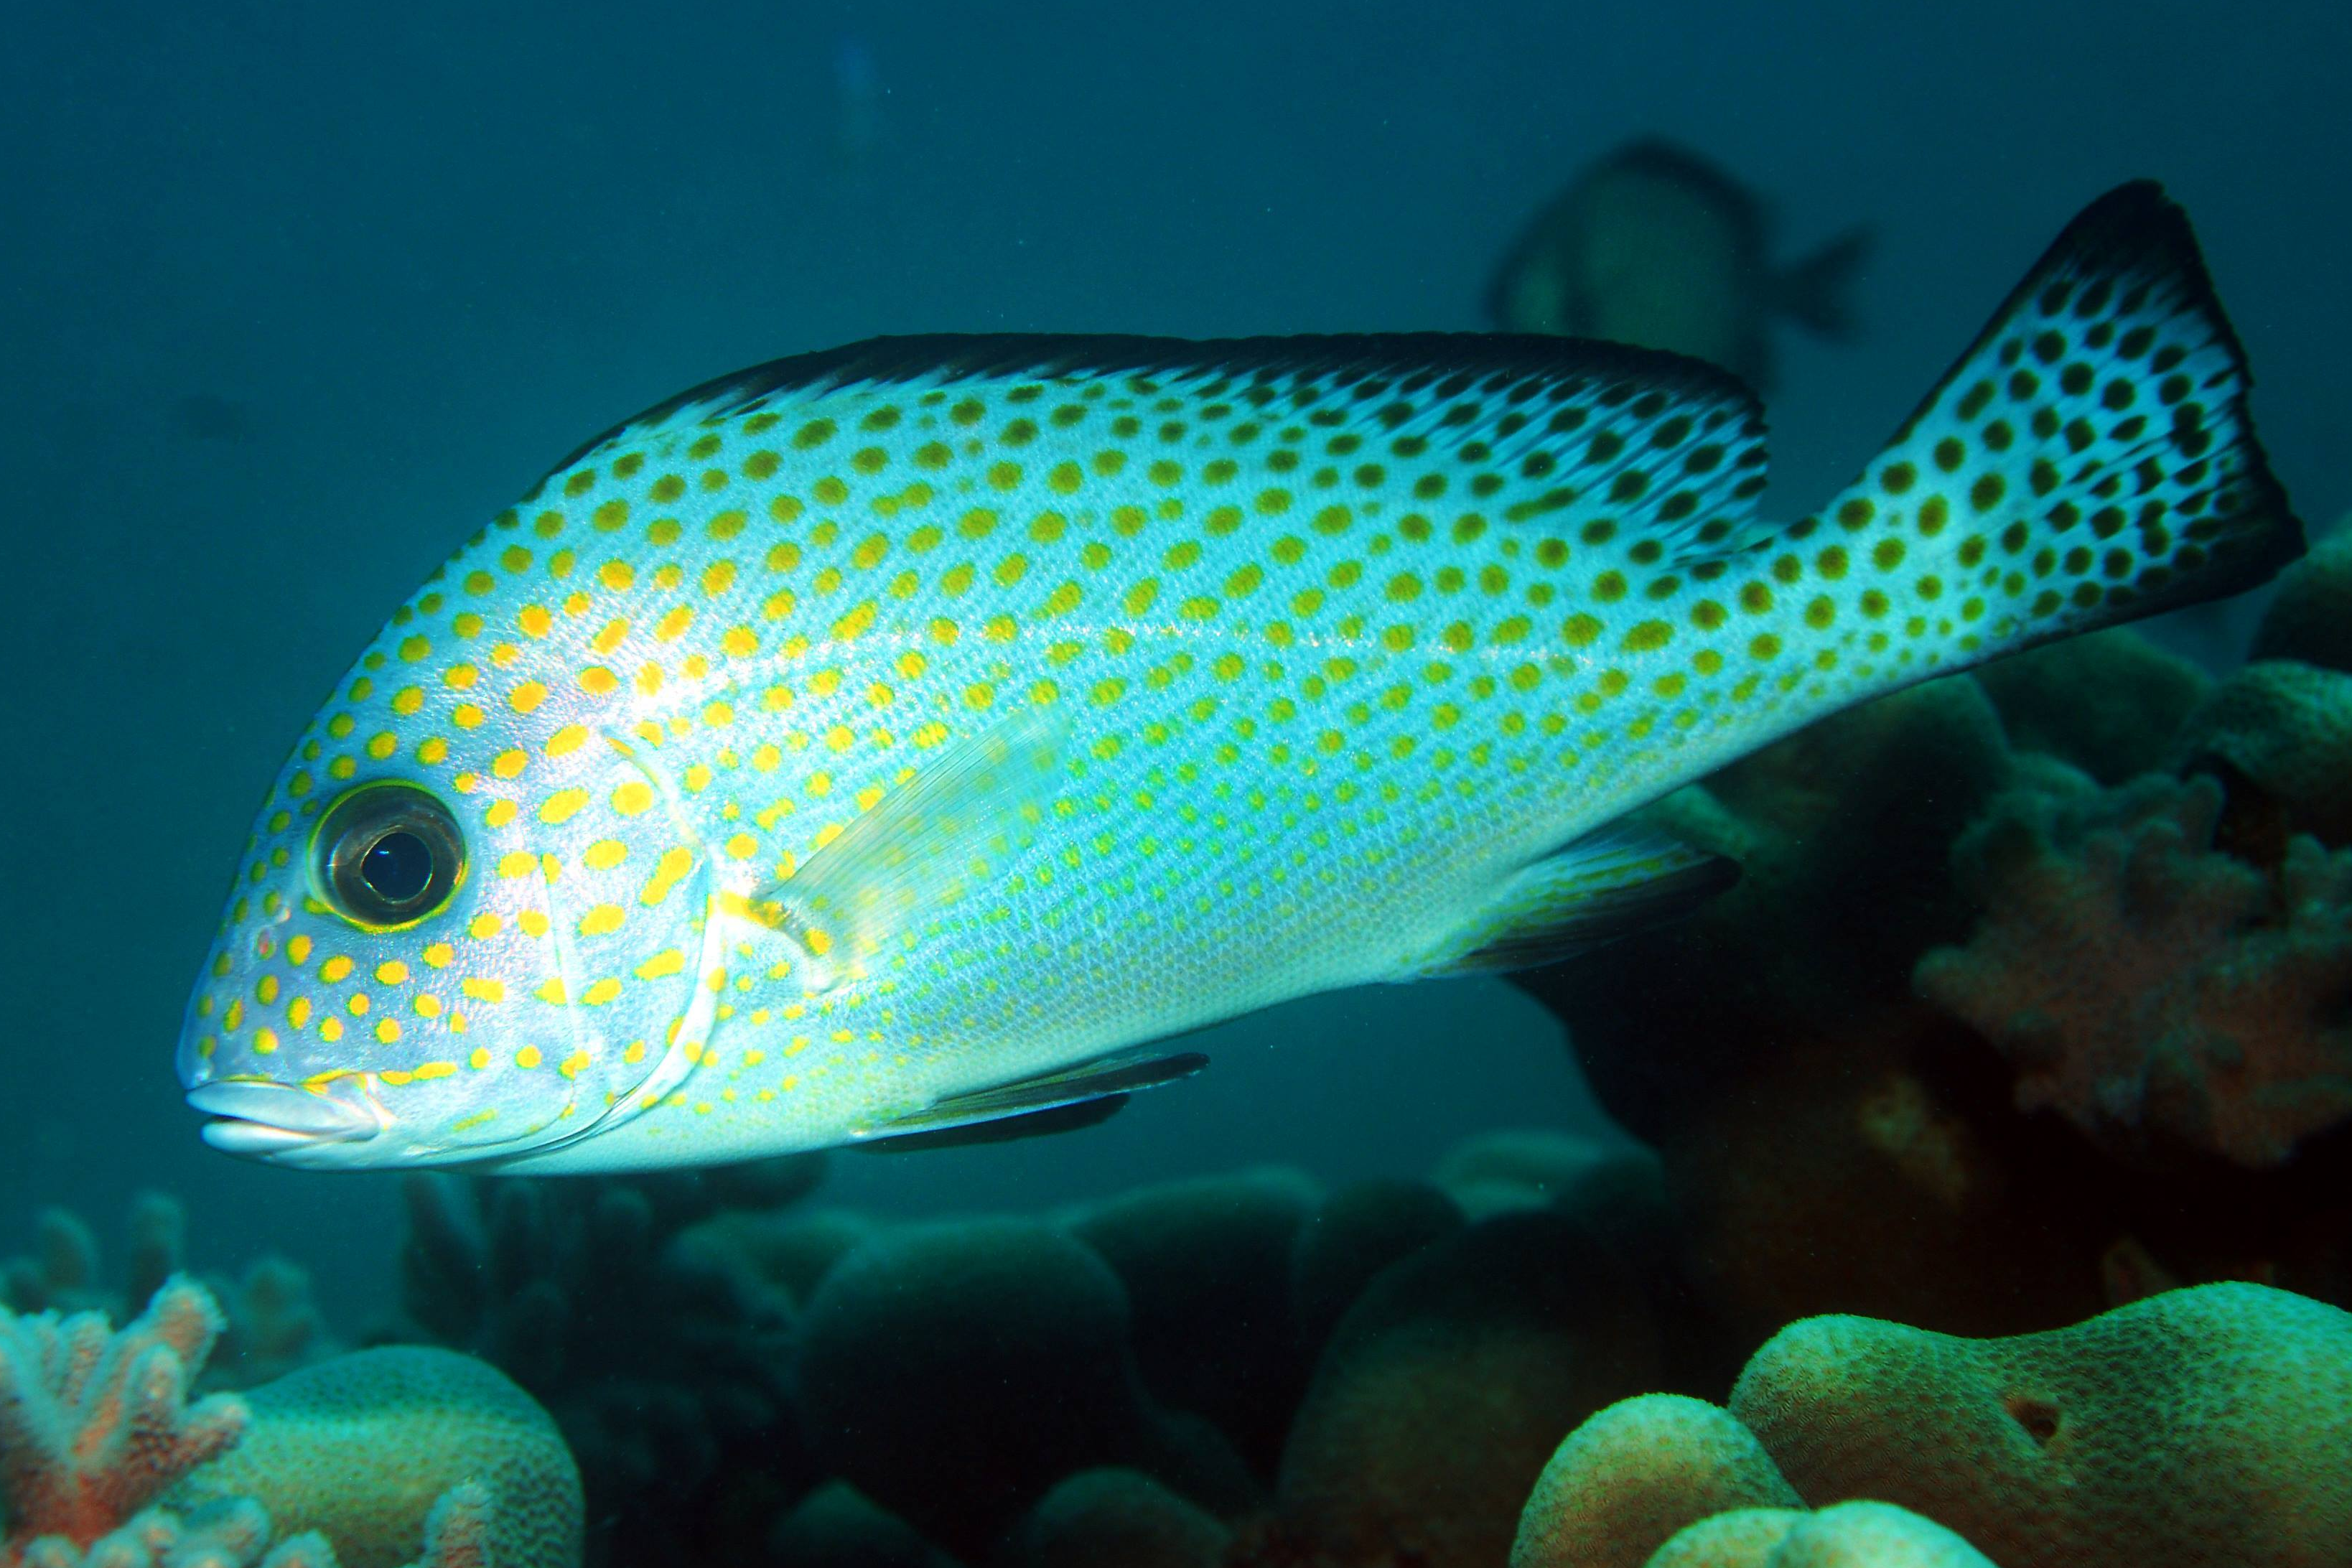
1849,1535
836,1527
95,1422
1636,1473
66,1273
1206,1263
1353,1236
1119,1519
271,1324
2310,619
791,1251
955,1371
2142,695
274,1326
2201,1427
1445,1388
2279,734
1885,1172
663,1358
237,1534
361,1447
2161,995
1519,1168
1843,835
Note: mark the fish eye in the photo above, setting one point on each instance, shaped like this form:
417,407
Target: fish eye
387,855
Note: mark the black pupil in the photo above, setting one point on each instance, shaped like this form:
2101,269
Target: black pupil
397,868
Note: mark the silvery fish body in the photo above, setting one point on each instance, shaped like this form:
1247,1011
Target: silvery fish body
927,732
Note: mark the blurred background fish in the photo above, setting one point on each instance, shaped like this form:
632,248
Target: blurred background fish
1655,245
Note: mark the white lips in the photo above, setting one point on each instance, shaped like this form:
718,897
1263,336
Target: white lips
283,1121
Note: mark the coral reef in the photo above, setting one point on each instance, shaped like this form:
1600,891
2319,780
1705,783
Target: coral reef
105,1463
2158,993
2279,734
359,1448
1207,1263
2310,618
1445,1387
271,1324
1848,1535
2143,694
1119,1519
836,1527
1633,1476
1351,1237
66,1273
2203,1426
955,1371
95,1423
664,1359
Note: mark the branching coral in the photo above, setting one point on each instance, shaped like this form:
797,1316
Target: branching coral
95,1423
272,1325
2161,994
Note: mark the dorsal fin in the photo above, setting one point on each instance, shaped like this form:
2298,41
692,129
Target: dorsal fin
1649,442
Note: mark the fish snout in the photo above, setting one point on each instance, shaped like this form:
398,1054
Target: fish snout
319,1127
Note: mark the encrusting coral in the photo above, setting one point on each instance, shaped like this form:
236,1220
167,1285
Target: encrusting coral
359,1448
835,1526
1207,1263
1633,1475
954,1371
1444,1388
2161,994
1849,1535
1119,1519
2196,1428
2201,1427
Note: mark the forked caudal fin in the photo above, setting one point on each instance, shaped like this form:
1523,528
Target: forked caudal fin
2088,460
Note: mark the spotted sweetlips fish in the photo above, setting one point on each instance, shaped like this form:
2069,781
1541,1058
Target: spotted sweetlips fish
886,742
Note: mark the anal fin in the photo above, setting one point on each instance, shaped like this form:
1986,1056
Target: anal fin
1041,1095
1613,881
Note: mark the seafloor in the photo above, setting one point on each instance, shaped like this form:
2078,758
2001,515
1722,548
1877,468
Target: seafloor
1987,1196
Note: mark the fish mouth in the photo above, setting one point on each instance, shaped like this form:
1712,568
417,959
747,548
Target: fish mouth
321,1126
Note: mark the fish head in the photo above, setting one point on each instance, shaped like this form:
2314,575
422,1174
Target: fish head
460,932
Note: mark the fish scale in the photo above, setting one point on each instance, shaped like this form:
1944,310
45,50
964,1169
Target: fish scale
888,734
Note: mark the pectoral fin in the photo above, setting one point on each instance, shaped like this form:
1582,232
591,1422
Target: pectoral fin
1103,1077
1609,883
950,826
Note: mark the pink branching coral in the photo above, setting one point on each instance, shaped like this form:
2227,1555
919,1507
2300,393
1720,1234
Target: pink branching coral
95,1423
2161,994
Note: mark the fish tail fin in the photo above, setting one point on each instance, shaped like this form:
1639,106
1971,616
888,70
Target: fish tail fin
2088,460
1818,289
